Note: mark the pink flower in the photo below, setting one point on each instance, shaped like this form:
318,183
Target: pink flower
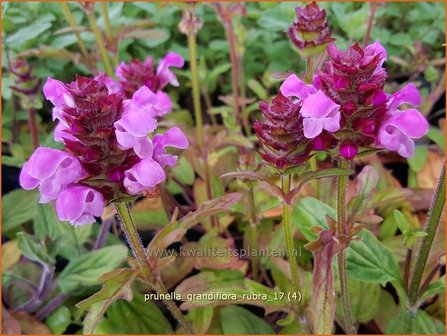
397,133
320,113
164,73
56,92
295,87
348,150
409,94
79,205
144,176
51,170
173,137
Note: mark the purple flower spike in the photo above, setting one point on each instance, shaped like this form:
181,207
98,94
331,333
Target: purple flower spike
167,76
52,170
320,113
144,176
79,205
398,132
295,87
409,94
174,137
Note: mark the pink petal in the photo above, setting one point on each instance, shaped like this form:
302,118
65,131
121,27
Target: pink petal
174,137
293,86
409,94
163,71
163,106
143,176
79,205
144,98
312,127
318,105
374,49
56,92
51,170
411,122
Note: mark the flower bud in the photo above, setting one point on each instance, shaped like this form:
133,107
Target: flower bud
310,32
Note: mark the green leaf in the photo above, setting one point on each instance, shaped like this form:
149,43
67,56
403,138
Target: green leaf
366,184
18,207
369,260
238,320
407,322
135,317
184,171
116,285
86,269
420,156
46,222
401,221
201,318
59,320
364,298
435,288
257,88
311,212
435,135
33,249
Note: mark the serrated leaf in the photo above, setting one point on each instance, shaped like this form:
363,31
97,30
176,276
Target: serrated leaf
86,269
116,285
369,260
18,207
33,249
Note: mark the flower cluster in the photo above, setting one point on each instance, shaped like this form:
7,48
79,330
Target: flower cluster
136,74
281,138
310,32
347,108
108,154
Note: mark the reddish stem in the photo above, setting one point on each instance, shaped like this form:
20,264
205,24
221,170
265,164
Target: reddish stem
372,13
33,127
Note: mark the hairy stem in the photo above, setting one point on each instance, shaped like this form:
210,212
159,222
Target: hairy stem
407,267
195,87
342,231
293,264
71,21
33,127
108,30
253,234
136,245
372,13
430,228
100,42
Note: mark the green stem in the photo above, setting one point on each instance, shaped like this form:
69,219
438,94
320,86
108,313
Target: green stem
195,87
253,234
100,42
71,21
313,160
342,232
108,30
293,264
430,228
138,251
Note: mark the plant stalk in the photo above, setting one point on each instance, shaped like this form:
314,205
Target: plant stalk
430,228
407,267
192,45
139,252
100,42
253,234
342,232
33,127
71,21
293,264
108,30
